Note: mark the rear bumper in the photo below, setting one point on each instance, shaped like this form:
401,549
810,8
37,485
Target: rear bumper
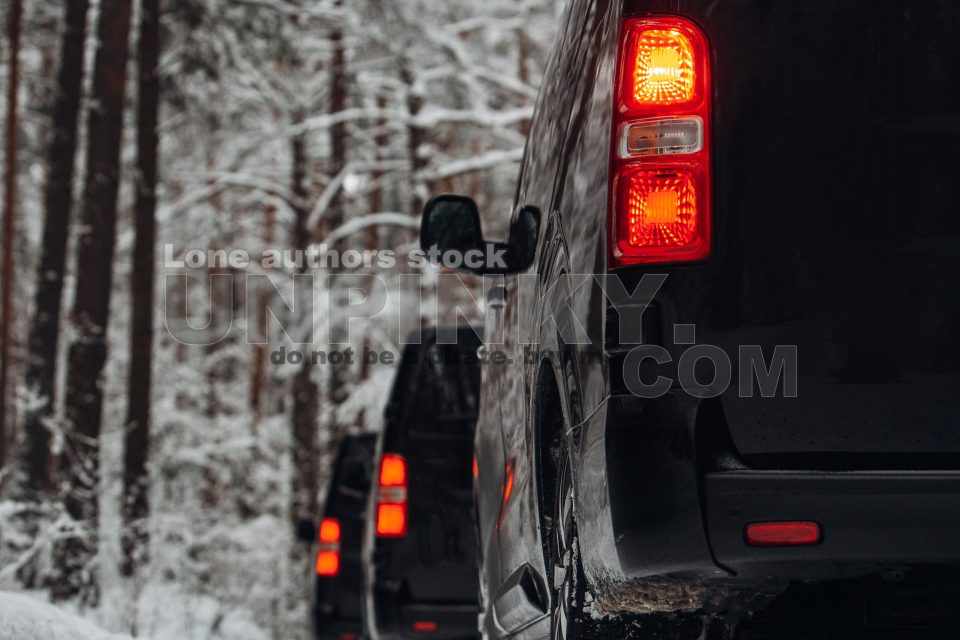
663,494
427,621
337,629
867,518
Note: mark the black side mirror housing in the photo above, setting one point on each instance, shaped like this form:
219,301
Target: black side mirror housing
451,234
306,531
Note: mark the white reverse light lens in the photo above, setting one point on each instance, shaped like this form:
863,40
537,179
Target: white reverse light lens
661,137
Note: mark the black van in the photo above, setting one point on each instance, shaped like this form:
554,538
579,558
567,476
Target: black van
420,546
339,589
733,259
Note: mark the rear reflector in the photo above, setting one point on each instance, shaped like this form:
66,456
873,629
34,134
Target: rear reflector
783,534
425,626
392,497
328,554
661,180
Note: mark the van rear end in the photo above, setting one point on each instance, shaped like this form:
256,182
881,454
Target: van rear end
339,590
832,195
835,137
422,569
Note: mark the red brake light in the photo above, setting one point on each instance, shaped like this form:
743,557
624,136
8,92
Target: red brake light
391,520
329,531
661,178
328,554
328,563
783,534
425,626
393,471
392,497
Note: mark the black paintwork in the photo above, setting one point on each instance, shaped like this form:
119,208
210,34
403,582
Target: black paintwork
431,573
836,131
338,601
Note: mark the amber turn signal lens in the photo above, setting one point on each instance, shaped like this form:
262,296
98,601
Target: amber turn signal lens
662,67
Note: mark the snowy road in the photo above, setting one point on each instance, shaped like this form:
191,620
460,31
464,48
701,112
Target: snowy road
26,618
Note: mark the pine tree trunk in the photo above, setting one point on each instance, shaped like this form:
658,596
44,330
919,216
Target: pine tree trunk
94,267
305,391
258,382
416,137
338,161
44,337
409,319
137,436
14,26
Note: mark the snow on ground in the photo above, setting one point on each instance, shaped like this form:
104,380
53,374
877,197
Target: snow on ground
25,618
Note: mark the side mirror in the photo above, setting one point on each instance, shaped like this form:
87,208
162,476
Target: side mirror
450,233
306,531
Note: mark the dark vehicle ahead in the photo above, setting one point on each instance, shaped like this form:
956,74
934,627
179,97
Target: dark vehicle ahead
732,260
339,587
421,546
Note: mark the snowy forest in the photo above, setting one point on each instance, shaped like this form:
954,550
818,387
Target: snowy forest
156,445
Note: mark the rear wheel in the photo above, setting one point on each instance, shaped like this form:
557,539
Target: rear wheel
563,545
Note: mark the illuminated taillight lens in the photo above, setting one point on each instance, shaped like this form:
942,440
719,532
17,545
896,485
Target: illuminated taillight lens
329,531
328,563
392,497
659,215
328,554
660,63
393,471
391,520
783,534
661,183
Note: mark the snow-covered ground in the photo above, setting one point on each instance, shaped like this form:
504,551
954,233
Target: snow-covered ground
25,618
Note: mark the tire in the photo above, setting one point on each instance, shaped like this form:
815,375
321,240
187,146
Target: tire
565,570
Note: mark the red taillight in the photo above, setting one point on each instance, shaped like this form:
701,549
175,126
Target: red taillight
661,180
329,531
425,626
393,471
392,497
391,520
328,553
783,534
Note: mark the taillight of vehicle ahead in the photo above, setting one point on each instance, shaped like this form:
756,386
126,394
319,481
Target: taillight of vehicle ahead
328,553
661,180
392,497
